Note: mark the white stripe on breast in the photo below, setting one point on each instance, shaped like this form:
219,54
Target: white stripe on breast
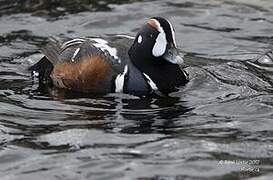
119,81
151,82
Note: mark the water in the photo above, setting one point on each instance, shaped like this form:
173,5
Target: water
219,126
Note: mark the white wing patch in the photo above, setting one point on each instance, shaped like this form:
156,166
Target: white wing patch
99,43
103,45
151,82
99,40
119,81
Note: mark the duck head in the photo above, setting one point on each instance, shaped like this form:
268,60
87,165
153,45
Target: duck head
155,43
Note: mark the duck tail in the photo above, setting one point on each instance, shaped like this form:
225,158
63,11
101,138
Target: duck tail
42,69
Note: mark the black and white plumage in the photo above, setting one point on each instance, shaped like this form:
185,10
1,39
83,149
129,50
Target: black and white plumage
147,63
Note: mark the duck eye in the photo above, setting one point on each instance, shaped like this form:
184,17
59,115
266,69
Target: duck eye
151,35
139,39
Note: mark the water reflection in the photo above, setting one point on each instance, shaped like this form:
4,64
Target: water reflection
153,115
113,111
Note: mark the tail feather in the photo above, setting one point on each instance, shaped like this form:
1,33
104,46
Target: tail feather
45,65
44,68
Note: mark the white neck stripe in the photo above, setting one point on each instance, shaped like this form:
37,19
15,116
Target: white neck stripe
173,34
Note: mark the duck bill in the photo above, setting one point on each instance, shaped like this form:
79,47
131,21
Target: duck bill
172,56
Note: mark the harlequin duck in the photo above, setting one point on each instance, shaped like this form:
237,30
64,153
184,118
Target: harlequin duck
147,63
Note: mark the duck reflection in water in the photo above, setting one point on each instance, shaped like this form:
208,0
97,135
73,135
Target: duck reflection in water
123,112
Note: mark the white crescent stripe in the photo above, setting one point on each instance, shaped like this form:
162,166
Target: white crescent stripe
119,81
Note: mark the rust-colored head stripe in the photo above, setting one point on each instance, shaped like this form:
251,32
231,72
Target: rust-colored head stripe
154,24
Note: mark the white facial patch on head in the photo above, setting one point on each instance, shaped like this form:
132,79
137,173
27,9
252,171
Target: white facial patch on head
139,39
160,42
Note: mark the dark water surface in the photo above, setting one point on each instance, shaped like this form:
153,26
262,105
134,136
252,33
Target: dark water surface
219,126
